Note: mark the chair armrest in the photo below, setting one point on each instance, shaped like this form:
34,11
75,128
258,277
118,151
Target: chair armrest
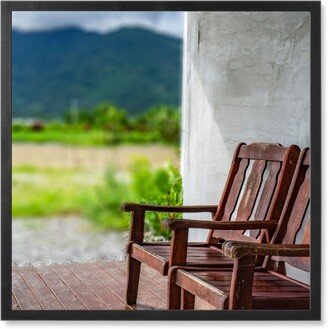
138,215
236,249
128,207
174,224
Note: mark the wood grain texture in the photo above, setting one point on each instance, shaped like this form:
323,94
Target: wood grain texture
266,195
40,289
241,195
73,284
248,287
269,291
23,293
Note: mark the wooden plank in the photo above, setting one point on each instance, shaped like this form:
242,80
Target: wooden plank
23,294
266,196
218,215
84,286
152,259
99,289
114,285
162,280
45,296
201,305
147,295
235,190
298,212
84,294
60,289
148,281
252,188
307,158
263,151
268,190
14,303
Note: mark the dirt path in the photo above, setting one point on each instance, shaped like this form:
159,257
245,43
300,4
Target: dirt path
62,156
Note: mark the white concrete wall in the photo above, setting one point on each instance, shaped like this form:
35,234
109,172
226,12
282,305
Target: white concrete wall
247,78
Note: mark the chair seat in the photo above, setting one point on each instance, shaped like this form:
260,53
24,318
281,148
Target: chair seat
270,290
156,255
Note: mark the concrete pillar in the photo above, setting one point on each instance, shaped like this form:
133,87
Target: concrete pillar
246,78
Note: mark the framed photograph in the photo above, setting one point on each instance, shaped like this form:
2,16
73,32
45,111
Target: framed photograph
158,160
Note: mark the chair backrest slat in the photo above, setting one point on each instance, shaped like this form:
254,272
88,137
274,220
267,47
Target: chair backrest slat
252,188
235,190
298,212
266,195
295,223
262,151
255,193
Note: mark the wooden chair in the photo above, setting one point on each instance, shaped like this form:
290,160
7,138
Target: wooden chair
258,193
248,287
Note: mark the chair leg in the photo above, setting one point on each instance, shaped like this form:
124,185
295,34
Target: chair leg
133,280
188,300
174,296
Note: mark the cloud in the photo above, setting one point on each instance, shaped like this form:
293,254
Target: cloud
164,22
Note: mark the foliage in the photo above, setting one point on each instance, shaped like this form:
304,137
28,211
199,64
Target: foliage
161,186
44,192
164,119
105,117
105,125
104,206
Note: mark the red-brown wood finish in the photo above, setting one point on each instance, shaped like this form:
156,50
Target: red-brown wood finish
247,286
247,191
86,286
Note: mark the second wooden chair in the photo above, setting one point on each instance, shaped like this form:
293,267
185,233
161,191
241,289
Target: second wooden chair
265,287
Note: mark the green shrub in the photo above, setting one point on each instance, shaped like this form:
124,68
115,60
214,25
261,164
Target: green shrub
161,186
105,125
104,206
165,120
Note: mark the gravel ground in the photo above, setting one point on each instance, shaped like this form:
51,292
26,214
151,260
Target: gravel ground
63,240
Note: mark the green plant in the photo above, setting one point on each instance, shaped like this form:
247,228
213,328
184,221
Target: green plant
104,206
163,119
162,186
104,125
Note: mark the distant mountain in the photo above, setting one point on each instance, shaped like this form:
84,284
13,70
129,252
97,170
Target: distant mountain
133,68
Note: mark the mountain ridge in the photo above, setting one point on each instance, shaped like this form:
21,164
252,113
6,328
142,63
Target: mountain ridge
131,67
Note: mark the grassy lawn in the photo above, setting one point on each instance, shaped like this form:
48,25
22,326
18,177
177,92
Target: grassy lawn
78,136
41,192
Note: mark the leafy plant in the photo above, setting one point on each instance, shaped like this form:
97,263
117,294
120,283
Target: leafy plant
162,186
104,125
165,120
104,206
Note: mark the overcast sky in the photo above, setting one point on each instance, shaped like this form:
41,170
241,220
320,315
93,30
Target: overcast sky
164,22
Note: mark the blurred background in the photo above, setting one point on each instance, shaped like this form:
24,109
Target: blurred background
96,122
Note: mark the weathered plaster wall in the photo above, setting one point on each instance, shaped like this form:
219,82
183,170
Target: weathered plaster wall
247,78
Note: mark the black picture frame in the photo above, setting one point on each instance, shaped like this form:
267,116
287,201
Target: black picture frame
7,7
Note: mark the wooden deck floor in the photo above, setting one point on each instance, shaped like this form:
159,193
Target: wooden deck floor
85,286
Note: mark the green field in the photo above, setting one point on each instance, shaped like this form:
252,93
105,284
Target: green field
78,136
43,192
96,195
103,125
66,179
